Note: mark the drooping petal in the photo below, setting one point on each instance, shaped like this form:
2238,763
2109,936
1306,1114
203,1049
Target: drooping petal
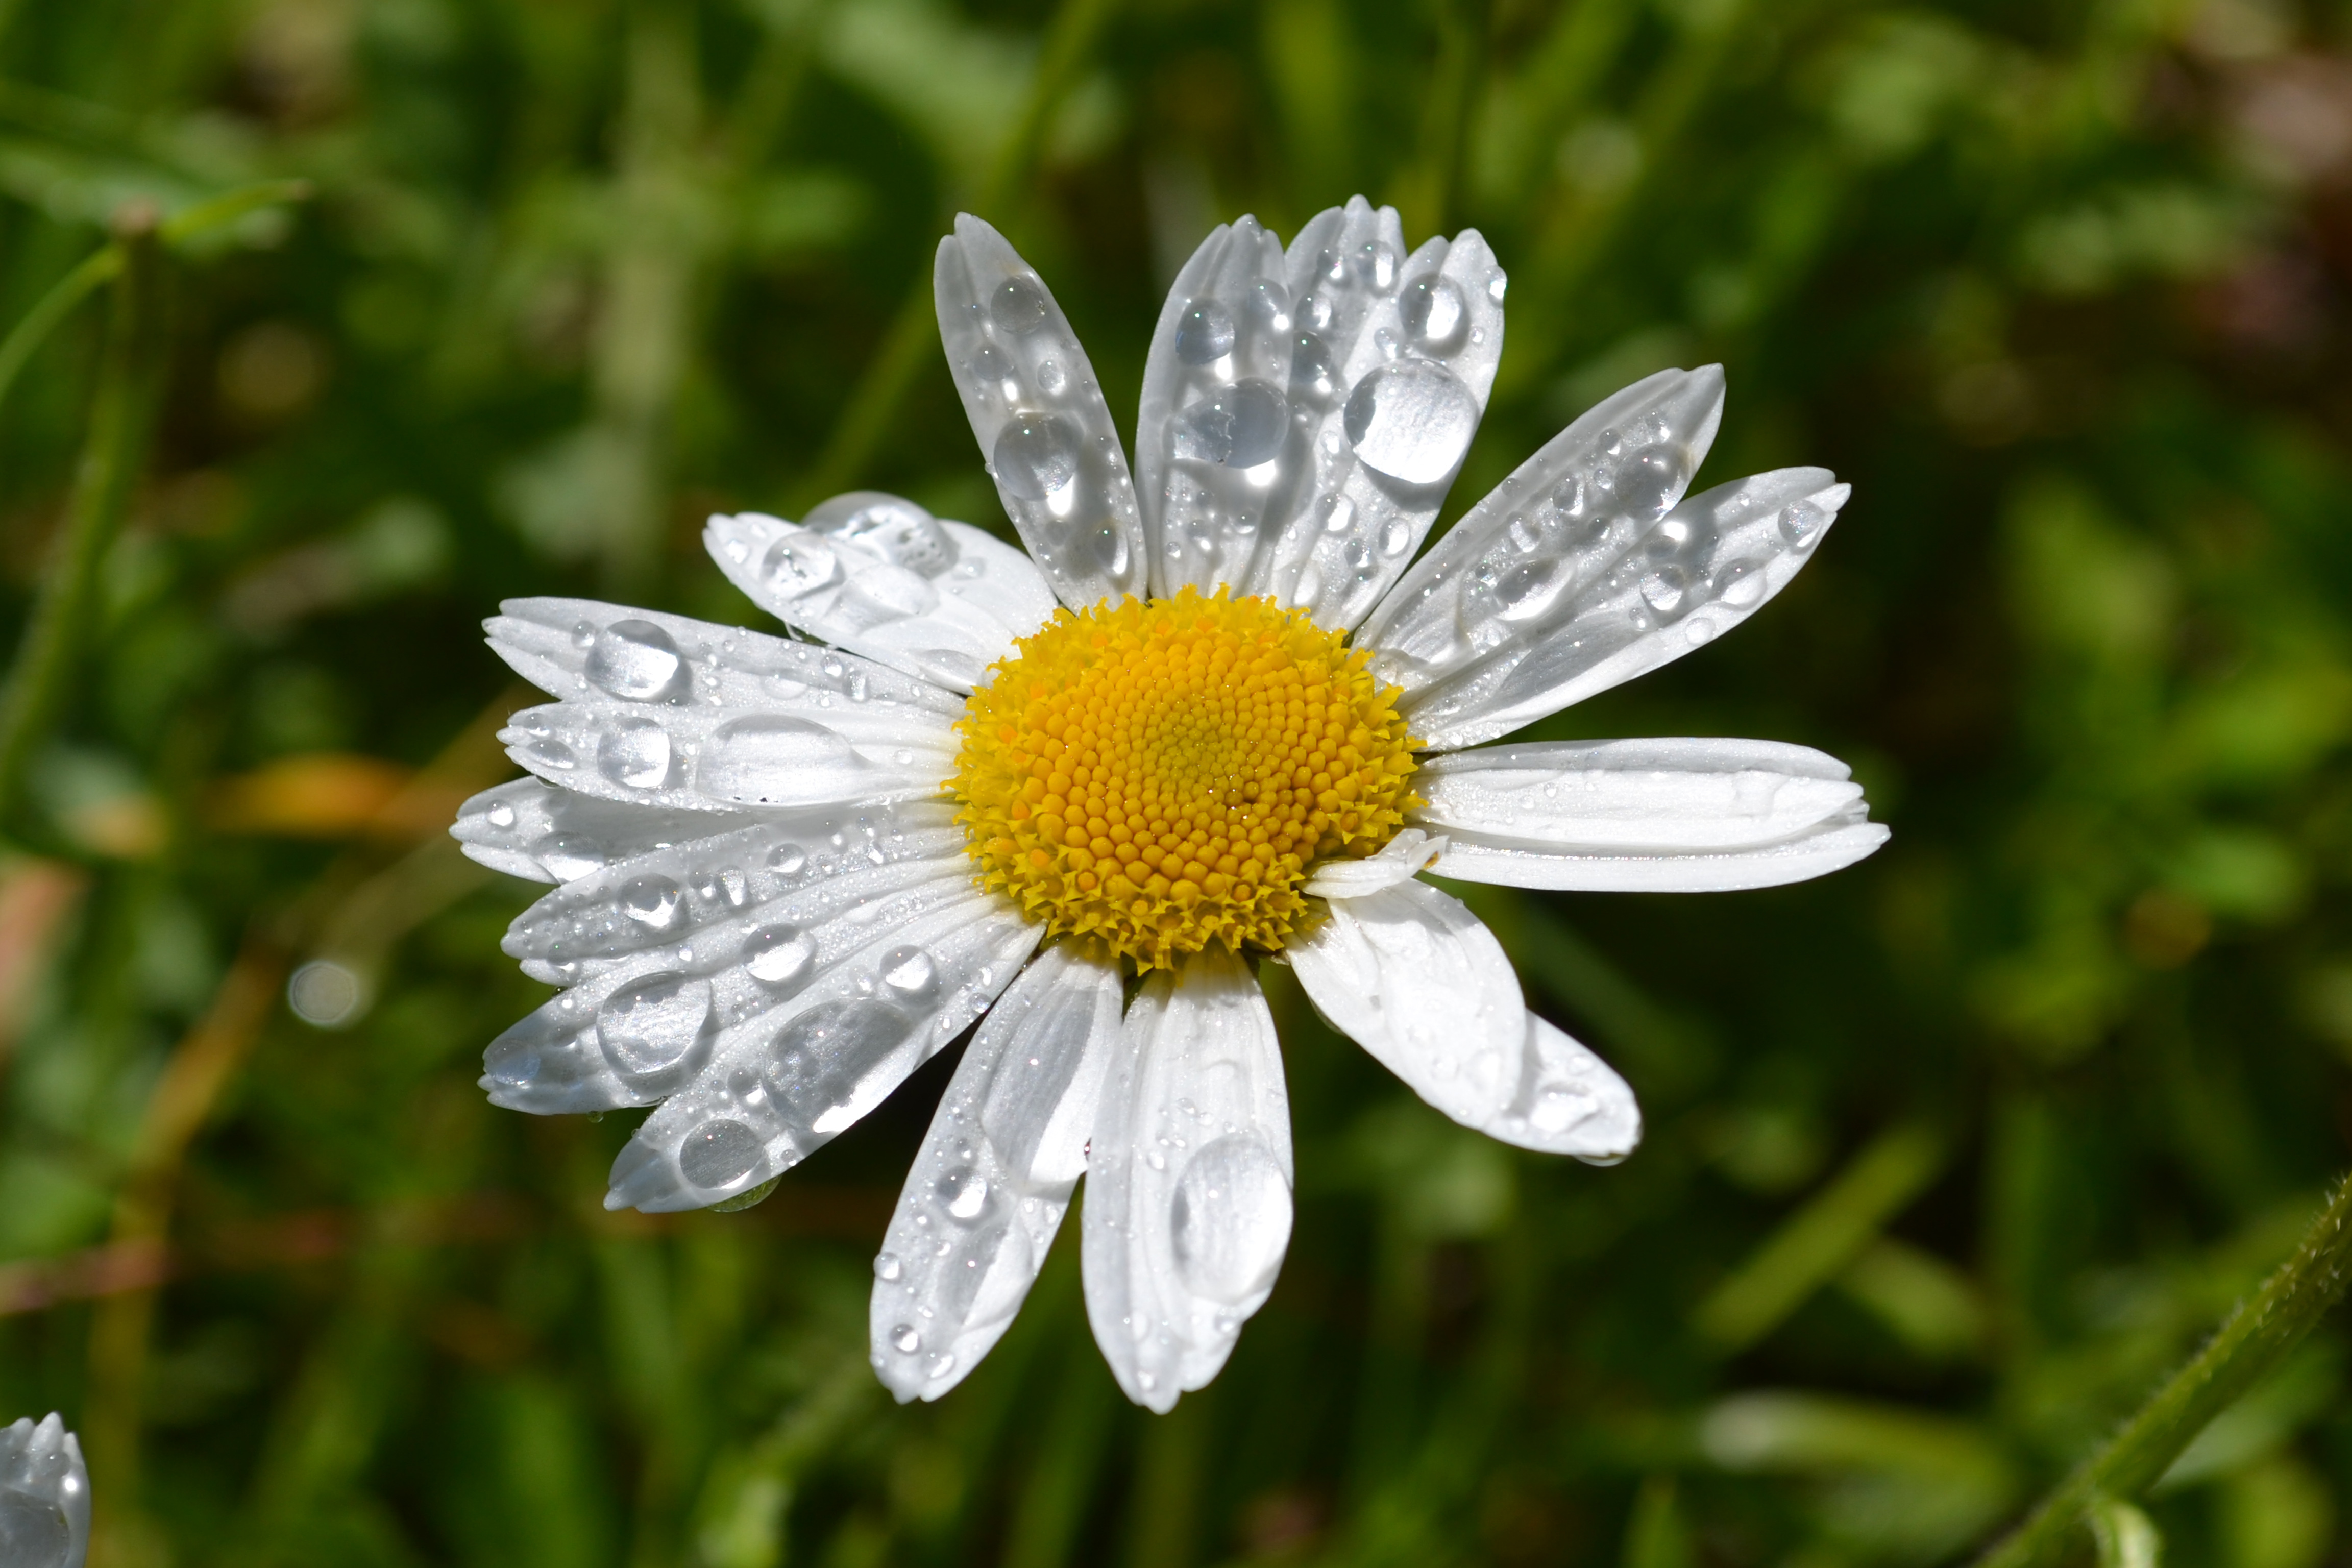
878,574
780,1087
530,828
1216,422
1830,845
1391,367
1412,975
669,955
1401,859
43,1495
994,1178
1666,796
1040,417
1188,1205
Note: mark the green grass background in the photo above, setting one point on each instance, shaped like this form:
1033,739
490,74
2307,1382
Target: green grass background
1950,1155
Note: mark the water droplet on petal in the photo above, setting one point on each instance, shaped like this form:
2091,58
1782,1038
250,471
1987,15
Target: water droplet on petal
1238,427
1018,306
1037,456
775,760
719,1154
1204,333
1801,521
905,1340
888,526
656,1023
635,752
1435,314
887,1266
1314,379
910,972
651,901
780,957
1229,1220
1412,420
636,661
964,1193
796,566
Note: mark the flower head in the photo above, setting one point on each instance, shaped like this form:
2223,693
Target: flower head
1214,715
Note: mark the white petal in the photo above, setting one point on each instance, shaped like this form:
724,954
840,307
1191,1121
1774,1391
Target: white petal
672,953
1827,846
1412,976
43,1495
996,1175
1666,796
1214,432
582,650
1392,365
1040,417
878,574
529,828
780,1085
1569,1102
1188,1205
1401,859
790,752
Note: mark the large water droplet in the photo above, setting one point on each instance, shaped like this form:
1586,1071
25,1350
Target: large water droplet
34,1532
656,1023
568,857
1229,1220
1523,592
905,1340
1204,333
1412,420
780,957
772,758
1268,305
1649,482
1802,523
888,526
816,1061
910,973
1435,314
1375,267
635,752
651,901
718,1154
964,1193
636,661
1239,425
1018,306
1037,456
881,594
798,565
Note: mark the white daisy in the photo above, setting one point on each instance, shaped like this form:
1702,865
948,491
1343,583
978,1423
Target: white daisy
1210,718
44,1496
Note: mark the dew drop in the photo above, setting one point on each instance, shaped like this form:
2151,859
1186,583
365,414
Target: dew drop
796,566
1036,456
1314,379
1018,306
1801,521
636,661
1204,333
656,1023
887,1266
1238,427
635,752
905,1340
964,1193
1435,314
774,760
1411,421
651,901
780,957
910,972
888,526
1229,1219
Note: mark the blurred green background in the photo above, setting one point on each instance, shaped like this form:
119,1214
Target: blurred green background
1950,1155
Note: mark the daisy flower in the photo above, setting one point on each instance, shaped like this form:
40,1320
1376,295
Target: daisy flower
1216,715
44,1496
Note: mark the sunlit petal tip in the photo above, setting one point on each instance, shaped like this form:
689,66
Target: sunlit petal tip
44,1494
985,1196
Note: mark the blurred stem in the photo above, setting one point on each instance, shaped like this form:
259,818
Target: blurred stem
2249,1344
113,456
1827,1234
1070,41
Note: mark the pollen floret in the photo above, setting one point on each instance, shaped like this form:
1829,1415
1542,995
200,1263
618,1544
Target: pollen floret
1158,776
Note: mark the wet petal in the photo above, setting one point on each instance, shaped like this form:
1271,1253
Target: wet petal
996,1175
665,954
1669,796
1039,415
43,1495
1214,432
1393,360
1829,846
1412,975
527,827
1188,1207
1402,859
878,574
780,1084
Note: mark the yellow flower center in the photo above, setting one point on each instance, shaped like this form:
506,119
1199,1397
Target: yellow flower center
1157,776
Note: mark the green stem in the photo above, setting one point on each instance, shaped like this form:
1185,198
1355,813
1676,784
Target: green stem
874,404
111,458
2249,1344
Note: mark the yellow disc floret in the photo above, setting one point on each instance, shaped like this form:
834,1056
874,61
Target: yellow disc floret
1157,776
